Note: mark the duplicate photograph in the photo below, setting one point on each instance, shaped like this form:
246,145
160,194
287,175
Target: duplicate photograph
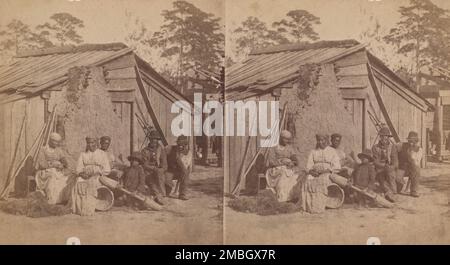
224,122
87,149
362,150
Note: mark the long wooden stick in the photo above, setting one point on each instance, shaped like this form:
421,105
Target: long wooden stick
149,106
247,145
11,170
237,188
5,192
38,144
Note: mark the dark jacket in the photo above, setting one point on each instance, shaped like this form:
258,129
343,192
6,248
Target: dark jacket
385,156
156,158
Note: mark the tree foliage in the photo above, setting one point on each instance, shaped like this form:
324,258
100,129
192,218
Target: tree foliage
252,33
423,34
191,37
298,26
17,35
63,29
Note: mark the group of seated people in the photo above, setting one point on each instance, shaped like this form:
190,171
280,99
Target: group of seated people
380,169
149,172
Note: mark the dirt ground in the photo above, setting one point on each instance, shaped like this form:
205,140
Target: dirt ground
424,220
196,221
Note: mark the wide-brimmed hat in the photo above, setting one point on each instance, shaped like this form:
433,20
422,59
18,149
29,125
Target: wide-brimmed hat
384,131
413,136
366,153
182,140
135,156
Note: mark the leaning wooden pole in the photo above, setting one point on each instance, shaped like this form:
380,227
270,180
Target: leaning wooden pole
149,106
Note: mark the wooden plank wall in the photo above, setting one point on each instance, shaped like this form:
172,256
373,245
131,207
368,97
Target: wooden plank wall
405,116
235,149
11,117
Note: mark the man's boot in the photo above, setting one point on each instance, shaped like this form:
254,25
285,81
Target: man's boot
159,199
390,197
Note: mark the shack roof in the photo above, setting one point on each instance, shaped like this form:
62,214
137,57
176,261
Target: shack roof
268,68
36,70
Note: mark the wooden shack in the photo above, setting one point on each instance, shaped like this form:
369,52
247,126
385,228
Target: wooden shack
435,87
98,89
345,90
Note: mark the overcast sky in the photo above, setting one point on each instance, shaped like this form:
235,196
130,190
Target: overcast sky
104,20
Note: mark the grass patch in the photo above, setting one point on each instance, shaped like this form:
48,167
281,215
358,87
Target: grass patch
265,203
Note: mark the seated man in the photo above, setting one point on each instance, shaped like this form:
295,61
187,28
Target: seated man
409,160
50,178
117,165
180,165
385,156
282,172
155,166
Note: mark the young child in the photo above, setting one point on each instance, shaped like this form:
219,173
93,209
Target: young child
133,179
363,176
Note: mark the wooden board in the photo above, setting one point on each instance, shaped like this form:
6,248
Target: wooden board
121,62
122,96
355,93
123,73
353,70
354,59
352,82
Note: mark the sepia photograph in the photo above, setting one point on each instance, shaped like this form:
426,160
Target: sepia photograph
362,94
87,149
224,122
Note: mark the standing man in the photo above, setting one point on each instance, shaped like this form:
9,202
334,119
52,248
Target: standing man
386,164
409,158
155,166
117,165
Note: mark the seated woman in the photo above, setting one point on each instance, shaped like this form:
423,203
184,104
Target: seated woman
90,166
282,174
322,162
50,177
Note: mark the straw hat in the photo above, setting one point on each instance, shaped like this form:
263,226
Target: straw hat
154,135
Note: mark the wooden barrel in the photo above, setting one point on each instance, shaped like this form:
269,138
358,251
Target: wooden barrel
335,196
105,199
